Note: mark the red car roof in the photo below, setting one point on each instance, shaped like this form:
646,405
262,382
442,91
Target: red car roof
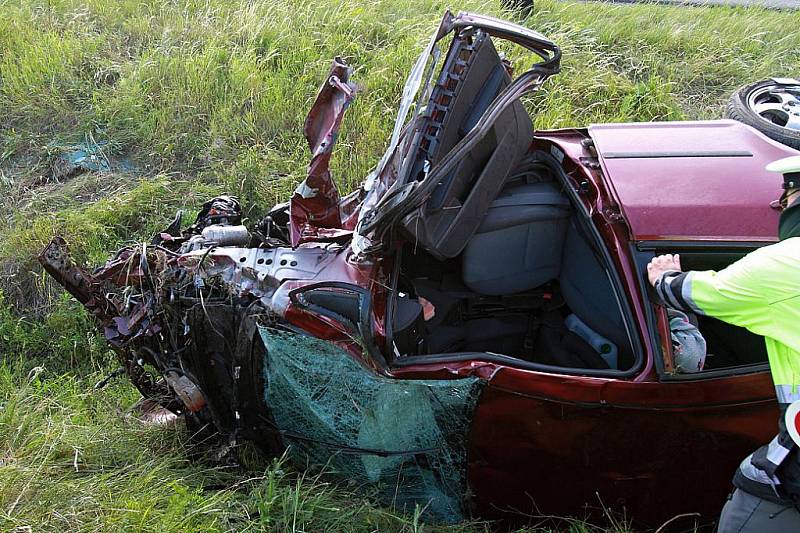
692,180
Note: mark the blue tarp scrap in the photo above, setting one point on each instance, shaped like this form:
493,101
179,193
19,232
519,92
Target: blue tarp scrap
87,156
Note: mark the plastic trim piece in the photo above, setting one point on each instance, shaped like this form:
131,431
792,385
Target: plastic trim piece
657,155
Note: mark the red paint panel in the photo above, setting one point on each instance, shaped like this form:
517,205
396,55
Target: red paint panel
315,206
542,456
724,198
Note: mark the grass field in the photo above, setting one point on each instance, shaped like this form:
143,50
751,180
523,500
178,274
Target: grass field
190,98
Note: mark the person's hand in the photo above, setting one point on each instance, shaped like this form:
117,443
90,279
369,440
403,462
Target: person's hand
661,264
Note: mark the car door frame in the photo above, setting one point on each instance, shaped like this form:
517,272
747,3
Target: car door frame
571,402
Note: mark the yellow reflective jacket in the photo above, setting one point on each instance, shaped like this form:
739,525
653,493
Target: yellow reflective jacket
760,292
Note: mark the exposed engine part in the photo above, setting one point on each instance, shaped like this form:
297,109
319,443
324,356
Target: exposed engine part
224,235
106,380
186,390
272,228
224,210
218,223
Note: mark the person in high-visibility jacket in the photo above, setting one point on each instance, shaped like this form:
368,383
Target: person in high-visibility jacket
760,292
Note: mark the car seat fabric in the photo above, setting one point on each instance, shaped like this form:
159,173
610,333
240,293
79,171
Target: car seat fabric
588,291
473,76
518,245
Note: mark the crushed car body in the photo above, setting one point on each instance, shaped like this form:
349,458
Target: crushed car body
469,331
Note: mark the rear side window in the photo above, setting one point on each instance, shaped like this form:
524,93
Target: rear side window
729,348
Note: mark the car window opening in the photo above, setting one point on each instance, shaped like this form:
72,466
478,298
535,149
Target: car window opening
727,346
529,284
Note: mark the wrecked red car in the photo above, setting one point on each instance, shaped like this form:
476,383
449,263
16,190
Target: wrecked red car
471,331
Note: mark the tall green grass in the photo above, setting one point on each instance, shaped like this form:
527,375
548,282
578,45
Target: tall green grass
198,97
72,459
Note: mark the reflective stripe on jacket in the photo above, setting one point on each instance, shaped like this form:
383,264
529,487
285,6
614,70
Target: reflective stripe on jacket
760,292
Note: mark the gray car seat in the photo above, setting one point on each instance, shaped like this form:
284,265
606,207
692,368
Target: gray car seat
518,245
589,294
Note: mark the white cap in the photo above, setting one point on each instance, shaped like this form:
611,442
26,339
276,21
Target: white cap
787,165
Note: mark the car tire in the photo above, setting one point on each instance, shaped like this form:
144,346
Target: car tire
770,106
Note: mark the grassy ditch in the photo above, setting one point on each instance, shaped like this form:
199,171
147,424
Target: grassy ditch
191,98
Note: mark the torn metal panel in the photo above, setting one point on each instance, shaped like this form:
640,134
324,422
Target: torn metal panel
394,190
56,260
408,438
315,202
